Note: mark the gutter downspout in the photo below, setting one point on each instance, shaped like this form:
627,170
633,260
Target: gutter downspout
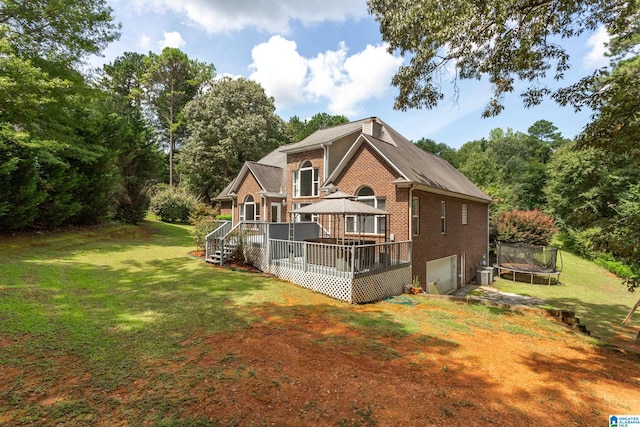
410,219
325,166
410,210
233,212
488,236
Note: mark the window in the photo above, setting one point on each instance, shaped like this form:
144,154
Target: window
304,217
443,217
464,214
249,211
415,216
305,180
368,224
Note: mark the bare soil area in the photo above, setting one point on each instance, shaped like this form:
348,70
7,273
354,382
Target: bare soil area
312,371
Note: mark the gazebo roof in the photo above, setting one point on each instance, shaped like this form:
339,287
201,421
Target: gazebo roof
340,195
340,206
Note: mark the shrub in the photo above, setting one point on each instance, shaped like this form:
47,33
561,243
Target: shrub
200,230
200,211
581,242
532,227
173,204
225,217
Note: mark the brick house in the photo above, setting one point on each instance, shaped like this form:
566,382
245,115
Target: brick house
437,209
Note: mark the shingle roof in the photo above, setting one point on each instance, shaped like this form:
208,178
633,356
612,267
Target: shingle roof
269,177
323,136
426,168
417,165
414,164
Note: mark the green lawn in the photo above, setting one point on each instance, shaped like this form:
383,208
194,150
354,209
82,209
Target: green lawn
599,298
115,295
102,309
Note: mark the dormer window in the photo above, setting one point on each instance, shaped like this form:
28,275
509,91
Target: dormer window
306,180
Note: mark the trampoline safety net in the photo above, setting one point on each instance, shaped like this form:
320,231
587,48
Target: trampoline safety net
525,258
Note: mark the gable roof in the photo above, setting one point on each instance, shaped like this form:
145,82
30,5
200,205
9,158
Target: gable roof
269,176
413,164
324,137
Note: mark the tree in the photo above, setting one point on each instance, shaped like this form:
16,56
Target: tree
172,80
439,149
615,98
502,40
58,30
54,168
299,130
483,170
131,136
232,123
616,128
543,131
533,227
592,194
510,165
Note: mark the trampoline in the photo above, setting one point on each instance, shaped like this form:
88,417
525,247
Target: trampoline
528,259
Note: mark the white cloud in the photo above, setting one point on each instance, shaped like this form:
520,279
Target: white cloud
144,42
279,69
273,16
172,39
597,43
344,82
368,75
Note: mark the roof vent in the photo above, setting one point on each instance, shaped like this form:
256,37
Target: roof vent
372,127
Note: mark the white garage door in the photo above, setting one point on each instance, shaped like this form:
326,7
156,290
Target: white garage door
443,272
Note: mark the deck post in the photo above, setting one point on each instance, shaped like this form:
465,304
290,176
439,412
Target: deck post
304,256
352,257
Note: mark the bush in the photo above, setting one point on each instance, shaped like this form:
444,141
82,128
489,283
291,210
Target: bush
581,242
173,204
200,230
201,211
225,217
532,227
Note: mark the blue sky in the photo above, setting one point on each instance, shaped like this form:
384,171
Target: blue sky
317,56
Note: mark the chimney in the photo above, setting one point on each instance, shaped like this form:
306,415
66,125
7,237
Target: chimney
372,127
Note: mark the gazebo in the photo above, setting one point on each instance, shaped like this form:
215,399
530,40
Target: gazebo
338,207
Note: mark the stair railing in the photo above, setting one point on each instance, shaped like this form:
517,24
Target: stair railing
214,239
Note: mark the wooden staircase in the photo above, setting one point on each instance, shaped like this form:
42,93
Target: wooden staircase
220,256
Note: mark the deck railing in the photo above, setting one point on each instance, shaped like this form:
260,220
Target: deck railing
348,261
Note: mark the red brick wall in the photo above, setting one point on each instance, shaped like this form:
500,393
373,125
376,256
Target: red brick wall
226,207
367,168
249,186
469,239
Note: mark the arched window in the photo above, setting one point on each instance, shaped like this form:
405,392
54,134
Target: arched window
250,210
368,224
305,180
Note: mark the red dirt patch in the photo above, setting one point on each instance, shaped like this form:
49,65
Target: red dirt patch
305,364
311,370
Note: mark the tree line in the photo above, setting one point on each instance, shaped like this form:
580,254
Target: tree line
80,147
